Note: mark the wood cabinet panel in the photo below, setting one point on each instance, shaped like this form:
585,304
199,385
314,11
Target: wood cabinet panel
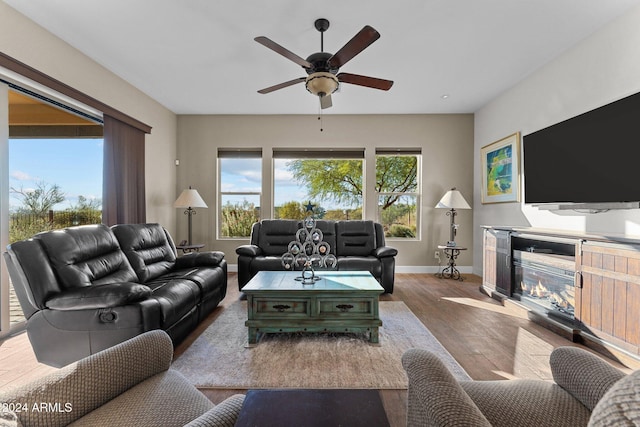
607,282
489,272
610,305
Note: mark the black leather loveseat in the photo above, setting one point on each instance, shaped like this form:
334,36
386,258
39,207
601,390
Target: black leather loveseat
358,246
87,288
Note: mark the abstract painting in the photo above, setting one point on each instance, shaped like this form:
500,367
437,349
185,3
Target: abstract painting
500,163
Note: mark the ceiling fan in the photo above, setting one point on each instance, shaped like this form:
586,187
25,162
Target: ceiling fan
322,67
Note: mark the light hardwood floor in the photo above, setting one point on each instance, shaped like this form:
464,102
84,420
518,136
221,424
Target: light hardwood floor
489,340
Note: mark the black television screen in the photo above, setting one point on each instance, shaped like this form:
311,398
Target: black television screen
590,158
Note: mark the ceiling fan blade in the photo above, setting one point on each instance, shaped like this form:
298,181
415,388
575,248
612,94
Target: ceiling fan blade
359,80
357,44
282,85
325,101
283,51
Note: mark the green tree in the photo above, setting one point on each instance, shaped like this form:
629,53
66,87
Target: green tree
40,200
87,204
291,210
395,174
297,210
238,218
86,211
340,181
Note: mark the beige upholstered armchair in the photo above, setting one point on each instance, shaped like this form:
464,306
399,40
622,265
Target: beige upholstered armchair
586,391
129,384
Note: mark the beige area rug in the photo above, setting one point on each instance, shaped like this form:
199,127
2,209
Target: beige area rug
218,357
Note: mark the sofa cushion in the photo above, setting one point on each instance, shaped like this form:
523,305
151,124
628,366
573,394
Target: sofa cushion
620,406
207,278
275,235
177,297
266,263
361,263
526,403
148,249
355,238
150,404
86,255
99,296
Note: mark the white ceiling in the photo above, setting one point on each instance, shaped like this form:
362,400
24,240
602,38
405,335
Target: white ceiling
199,56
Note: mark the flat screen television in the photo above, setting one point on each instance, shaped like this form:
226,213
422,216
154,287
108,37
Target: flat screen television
593,158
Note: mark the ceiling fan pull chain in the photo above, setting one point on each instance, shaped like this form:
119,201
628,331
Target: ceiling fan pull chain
320,117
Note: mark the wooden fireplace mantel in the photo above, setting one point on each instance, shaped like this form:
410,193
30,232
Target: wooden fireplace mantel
607,280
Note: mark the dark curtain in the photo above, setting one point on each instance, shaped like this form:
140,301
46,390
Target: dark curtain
123,191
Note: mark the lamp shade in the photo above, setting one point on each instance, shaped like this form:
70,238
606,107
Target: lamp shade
453,200
190,198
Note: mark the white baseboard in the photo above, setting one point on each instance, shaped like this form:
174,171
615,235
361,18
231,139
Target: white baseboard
427,269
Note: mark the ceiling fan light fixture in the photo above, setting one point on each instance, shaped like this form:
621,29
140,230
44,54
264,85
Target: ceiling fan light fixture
322,83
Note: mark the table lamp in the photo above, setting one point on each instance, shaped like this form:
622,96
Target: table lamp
452,200
190,199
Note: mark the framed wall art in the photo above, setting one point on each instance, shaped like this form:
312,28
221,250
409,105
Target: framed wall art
500,164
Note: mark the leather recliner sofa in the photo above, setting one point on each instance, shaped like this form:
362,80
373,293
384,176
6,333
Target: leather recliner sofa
358,246
84,289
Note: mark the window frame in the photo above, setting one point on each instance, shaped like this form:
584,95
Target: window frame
236,154
319,154
396,152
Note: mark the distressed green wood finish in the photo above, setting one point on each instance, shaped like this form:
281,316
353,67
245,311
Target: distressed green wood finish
341,301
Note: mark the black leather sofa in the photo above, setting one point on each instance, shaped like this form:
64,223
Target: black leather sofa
358,246
84,289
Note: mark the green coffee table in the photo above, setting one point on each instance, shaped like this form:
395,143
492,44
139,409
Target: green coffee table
341,301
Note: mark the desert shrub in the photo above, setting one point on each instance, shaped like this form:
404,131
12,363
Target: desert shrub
397,230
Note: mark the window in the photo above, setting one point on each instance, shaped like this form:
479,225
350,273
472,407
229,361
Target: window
54,172
54,183
331,181
240,184
398,193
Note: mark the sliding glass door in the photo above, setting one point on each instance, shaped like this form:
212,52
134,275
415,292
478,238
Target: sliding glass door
52,164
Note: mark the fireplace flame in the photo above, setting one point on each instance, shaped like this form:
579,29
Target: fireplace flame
561,299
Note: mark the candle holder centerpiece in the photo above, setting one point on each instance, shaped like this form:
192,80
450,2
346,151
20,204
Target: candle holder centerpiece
308,252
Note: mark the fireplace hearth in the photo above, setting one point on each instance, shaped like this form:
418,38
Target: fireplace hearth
545,283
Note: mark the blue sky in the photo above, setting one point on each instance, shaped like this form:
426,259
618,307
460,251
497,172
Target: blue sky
73,164
76,166
244,175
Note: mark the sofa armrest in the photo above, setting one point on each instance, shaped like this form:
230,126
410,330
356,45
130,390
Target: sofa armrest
99,296
385,251
249,250
91,382
584,375
224,414
200,259
9,419
435,396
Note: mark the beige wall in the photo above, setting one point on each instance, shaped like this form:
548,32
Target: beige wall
446,142
25,41
600,69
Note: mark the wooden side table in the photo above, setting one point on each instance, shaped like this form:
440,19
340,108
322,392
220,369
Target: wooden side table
450,271
190,248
